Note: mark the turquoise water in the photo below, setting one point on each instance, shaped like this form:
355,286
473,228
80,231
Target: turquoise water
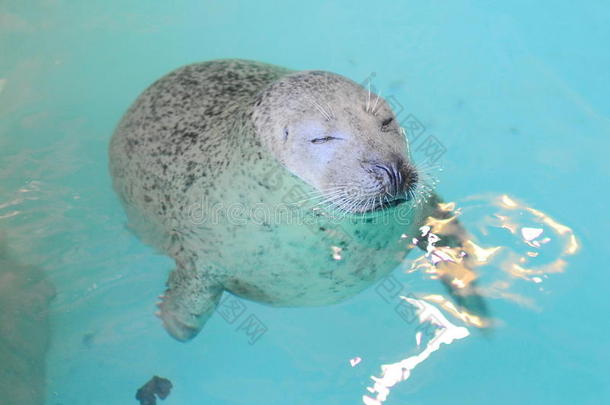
517,94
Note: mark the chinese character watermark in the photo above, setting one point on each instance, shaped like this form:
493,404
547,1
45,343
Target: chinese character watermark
231,310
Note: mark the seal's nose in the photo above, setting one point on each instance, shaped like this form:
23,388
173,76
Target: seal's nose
398,177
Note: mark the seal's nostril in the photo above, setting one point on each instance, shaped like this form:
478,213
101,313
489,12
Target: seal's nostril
399,177
411,178
394,178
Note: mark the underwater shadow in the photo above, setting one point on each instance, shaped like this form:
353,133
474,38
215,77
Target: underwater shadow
24,330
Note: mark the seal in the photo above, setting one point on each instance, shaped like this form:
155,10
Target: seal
290,188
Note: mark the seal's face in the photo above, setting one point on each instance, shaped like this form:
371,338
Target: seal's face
339,138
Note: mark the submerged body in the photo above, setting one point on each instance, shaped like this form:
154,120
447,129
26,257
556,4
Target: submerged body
282,187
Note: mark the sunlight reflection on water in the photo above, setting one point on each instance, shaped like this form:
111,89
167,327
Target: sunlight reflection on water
538,246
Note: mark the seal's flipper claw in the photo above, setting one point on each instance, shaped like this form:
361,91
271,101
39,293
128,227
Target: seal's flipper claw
190,299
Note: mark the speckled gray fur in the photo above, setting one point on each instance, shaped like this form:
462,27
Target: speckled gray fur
235,132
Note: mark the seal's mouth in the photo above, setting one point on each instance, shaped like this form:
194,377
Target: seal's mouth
387,204
369,206
356,200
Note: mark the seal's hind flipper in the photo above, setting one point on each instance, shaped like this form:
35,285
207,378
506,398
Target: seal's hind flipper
190,299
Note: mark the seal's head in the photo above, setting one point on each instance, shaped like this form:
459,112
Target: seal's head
337,136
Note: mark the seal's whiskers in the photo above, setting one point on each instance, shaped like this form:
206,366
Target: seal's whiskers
320,194
373,110
321,109
331,111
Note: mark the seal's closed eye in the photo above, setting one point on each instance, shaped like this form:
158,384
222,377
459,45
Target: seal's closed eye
323,139
385,123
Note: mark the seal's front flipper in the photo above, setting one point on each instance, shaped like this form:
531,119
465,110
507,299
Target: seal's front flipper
465,293
446,240
190,299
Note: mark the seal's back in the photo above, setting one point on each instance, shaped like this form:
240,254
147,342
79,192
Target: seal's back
175,134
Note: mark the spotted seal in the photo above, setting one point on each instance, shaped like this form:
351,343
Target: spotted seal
291,188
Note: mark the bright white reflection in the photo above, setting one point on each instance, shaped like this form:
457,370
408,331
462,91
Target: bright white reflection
355,361
443,331
511,245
